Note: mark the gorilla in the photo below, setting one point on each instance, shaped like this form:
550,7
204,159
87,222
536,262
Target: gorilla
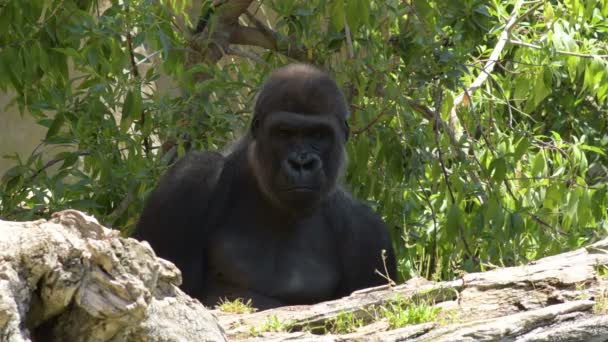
267,221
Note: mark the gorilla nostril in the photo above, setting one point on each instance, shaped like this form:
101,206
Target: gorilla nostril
303,163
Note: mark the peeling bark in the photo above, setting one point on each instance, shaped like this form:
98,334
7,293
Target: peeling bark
558,298
70,279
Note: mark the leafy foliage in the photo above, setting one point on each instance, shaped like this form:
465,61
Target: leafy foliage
468,178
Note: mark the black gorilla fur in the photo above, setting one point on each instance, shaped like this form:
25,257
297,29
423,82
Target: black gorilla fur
268,221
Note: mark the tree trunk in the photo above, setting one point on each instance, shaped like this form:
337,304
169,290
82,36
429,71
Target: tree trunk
70,279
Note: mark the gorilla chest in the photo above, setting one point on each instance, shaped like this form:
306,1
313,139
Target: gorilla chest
294,263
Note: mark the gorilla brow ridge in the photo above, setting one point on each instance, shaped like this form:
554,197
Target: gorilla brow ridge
298,86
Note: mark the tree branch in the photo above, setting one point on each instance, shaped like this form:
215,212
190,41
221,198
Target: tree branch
486,71
244,35
560,52
247,54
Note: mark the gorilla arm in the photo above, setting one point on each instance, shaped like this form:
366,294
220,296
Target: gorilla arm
174,219
363,236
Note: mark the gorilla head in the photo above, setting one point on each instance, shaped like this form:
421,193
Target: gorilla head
297,137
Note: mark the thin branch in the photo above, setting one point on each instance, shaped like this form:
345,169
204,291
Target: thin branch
244,35
247,54
436,124
505,179
487,69
229,11
135,72
438,100
434,217
560,52
349,41
134,69
53,162
371,123
260,25
121,207
148,57
420,108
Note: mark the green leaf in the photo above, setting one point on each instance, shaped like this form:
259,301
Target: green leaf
500,170
70,52
553,196
540,91
572,206
352,15
517,224
131,108
539,164
522,89
364,11
522,147
55,126
446,106
337,14
592,149
357,13
423,8
454,219
548,13
69,160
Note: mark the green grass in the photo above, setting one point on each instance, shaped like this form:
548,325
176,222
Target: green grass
237,306
343,323
273,324
405,312
601,303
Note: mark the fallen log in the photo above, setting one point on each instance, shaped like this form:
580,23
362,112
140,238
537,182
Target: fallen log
558,298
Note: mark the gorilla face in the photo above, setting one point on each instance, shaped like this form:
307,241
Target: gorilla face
300,157
298,135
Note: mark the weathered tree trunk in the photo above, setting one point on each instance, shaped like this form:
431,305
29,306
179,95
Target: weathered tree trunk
70,279
559,298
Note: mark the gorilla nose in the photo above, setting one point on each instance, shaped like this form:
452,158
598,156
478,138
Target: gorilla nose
303,163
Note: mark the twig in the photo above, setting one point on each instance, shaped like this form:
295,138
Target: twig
438,101
434,217
121,208
148,57
436,124
135,72
247,54
349,41
134,69
505,179
53,162
420,108
561,52
487,69
260,25
371,123
502,93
